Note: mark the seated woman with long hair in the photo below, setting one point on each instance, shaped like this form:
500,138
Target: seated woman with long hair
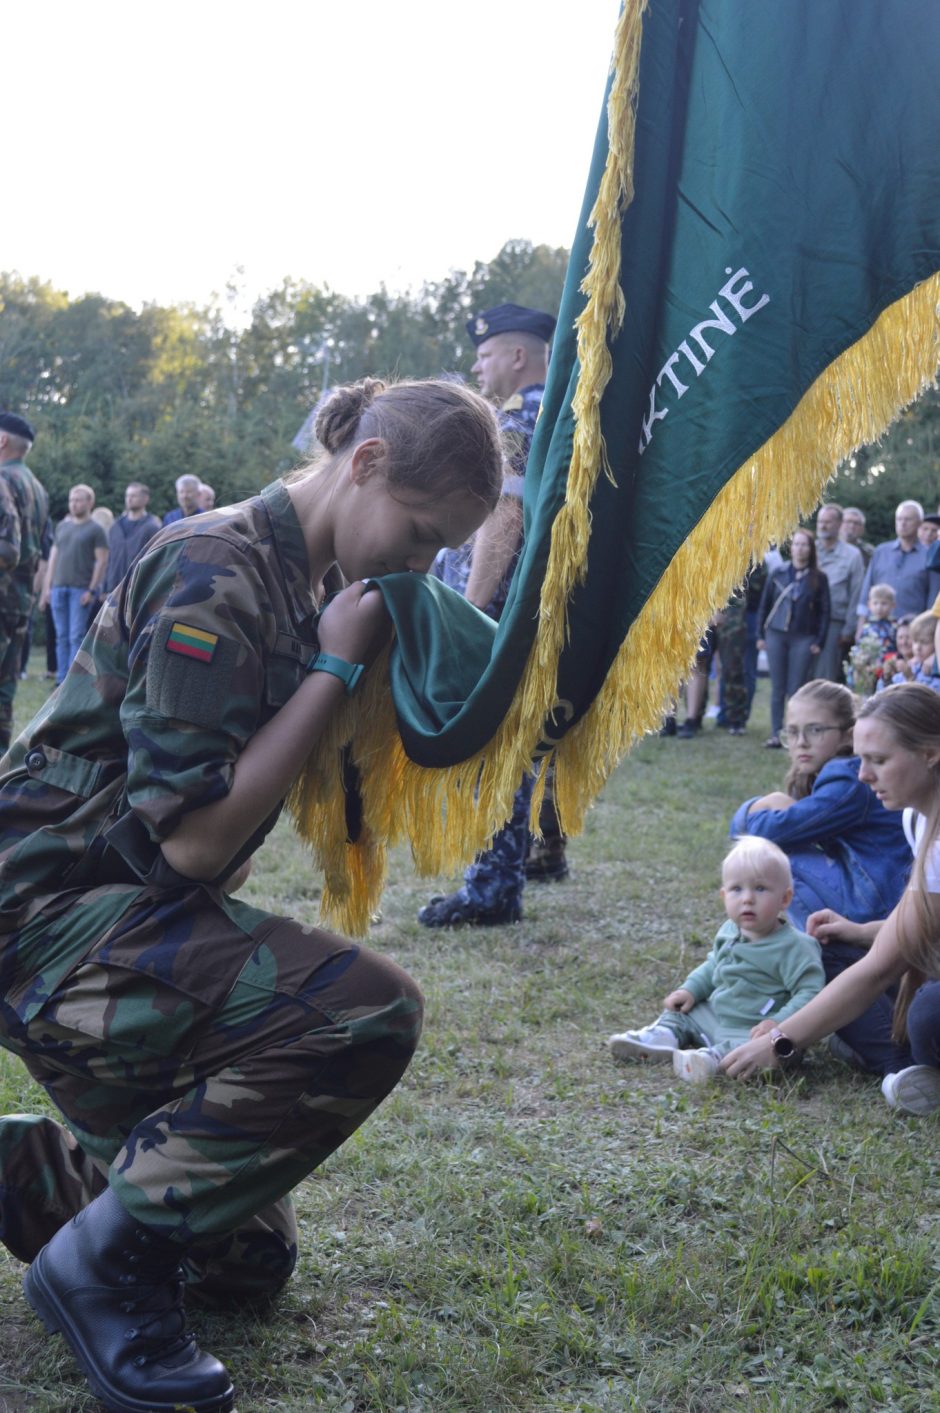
897,738
847,852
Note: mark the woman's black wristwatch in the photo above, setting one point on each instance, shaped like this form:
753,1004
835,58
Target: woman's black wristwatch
784,1048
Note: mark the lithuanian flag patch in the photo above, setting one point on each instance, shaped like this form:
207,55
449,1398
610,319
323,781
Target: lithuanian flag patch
192,642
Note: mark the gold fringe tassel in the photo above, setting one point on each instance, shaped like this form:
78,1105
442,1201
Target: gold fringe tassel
449,814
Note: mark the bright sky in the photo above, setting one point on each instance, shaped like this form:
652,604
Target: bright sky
345,142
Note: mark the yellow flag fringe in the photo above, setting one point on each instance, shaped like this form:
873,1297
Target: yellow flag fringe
448,814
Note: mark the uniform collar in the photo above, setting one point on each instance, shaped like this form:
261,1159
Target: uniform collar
291,549
520,393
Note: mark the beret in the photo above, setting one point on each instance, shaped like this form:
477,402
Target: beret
16,426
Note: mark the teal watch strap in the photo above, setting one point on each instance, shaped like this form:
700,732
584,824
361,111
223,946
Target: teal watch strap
347,672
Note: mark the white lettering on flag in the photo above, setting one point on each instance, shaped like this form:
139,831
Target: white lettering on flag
733,292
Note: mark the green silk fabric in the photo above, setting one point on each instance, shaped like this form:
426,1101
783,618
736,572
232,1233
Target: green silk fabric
787,191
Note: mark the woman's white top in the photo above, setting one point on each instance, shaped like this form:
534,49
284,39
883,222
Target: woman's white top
914,826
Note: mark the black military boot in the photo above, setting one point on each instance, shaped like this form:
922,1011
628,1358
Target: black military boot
114,1290
546,861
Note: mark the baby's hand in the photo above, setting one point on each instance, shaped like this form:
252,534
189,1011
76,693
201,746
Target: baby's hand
763,1027
680,1000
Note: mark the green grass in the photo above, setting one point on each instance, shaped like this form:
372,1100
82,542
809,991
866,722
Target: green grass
527,1225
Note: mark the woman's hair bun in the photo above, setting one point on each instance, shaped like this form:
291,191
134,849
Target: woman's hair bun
341,409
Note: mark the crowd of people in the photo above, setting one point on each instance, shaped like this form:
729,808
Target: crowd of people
204,1056
87,554
832,608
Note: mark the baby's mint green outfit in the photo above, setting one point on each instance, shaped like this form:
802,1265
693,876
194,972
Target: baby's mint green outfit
743,982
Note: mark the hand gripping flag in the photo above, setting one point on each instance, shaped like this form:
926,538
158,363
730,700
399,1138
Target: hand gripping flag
753,293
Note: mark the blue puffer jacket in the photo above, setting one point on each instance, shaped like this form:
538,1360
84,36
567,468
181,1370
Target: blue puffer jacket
846,850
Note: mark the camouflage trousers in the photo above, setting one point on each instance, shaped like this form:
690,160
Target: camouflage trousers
12,637
205,1057
734,703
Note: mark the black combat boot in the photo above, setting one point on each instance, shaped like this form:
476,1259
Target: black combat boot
114,1290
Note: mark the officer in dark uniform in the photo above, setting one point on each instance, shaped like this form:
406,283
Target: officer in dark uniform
511,365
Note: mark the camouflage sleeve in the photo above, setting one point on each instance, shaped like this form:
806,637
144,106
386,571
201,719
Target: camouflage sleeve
199,628
9,530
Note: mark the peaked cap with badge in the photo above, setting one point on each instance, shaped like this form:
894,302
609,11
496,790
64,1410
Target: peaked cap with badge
510,319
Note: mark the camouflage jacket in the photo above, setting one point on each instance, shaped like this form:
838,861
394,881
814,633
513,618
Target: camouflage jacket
30,511
201,644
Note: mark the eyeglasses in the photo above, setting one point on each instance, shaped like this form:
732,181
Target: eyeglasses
813,732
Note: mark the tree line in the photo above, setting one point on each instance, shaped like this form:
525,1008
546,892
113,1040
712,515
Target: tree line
118,394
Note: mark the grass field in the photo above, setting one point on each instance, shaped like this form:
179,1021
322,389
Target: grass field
527,1225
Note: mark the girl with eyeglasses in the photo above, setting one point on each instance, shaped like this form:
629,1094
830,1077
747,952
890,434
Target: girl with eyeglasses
847,851
897,738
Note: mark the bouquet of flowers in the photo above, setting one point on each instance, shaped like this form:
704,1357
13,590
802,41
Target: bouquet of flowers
863,666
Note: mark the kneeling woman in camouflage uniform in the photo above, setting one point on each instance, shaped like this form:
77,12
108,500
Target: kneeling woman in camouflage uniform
205,1056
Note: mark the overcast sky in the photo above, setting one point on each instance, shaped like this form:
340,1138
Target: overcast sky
151,150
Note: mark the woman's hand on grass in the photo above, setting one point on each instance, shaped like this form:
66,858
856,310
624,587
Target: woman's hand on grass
748,1059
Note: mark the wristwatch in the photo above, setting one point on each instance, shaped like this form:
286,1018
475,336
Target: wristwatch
347,672
783,1047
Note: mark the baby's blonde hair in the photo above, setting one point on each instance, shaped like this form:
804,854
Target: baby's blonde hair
756,856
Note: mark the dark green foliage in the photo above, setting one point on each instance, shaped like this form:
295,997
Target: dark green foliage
905,465
117,395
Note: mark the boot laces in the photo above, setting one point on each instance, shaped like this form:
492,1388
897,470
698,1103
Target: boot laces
159,1279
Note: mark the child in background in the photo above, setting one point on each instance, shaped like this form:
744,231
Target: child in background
880,622
924,661
904,640
898,667
760,970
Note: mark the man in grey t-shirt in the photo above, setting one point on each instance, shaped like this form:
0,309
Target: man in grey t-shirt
77,567
130,534
844,568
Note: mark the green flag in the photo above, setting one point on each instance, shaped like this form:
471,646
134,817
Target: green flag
753,293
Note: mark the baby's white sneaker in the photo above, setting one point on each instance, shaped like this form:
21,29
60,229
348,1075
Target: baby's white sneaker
695,1066
653,1042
